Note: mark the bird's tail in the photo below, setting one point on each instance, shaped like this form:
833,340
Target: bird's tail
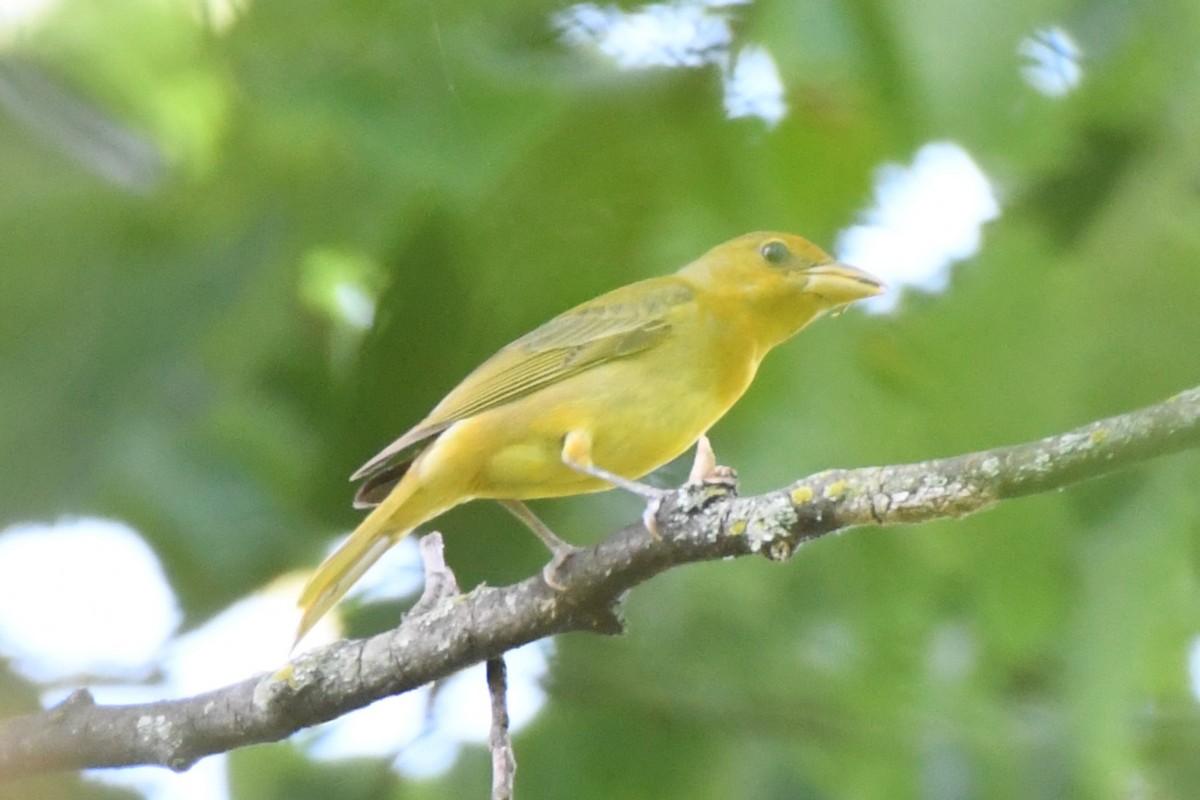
388,523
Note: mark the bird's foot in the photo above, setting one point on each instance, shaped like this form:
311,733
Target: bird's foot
550,571
577,454
705,469
653,495
559,549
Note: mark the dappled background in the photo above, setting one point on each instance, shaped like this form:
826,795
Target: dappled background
245,243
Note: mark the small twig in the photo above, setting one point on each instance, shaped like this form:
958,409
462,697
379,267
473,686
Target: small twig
440,583
504,761
439,578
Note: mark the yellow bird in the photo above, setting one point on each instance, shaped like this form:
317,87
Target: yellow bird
598,396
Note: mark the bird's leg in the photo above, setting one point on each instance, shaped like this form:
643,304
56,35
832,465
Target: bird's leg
560,550
577,454
705,468
705,461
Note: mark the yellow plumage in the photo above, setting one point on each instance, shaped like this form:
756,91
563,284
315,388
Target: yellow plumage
631,379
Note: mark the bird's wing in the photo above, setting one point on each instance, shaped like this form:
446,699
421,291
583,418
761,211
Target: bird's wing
615,325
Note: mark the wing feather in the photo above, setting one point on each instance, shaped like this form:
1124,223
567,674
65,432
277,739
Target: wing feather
615,325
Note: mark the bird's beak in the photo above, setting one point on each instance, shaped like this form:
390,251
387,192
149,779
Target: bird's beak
839,284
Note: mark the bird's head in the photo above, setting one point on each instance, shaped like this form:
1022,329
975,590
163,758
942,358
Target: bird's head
768,268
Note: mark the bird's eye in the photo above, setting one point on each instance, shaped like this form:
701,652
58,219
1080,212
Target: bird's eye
775,252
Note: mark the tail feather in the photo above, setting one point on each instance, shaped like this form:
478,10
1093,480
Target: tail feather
388,523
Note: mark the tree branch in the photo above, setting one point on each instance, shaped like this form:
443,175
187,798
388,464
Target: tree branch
697,523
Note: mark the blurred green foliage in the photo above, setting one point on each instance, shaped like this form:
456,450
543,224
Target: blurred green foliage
180,196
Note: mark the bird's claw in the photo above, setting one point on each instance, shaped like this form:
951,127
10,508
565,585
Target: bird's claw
706,471
550,571
721,476
650,517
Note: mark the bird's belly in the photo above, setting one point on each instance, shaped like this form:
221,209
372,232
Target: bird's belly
635,426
